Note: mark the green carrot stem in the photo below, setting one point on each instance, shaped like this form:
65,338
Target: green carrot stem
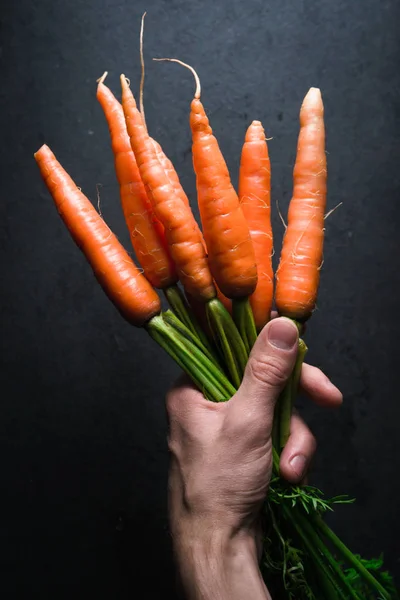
323,572
181,308
244,320
285,412
208,376
289,394
170,318
349,557
192,371
239,320
301,354
275,461
228,339
331,560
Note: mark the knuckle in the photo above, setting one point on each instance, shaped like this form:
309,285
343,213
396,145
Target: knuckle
268,371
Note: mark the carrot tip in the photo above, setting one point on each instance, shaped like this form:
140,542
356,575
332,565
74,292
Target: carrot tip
43,148
313,95
125,82
102,78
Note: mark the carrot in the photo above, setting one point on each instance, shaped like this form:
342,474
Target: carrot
127,288
146,232
171,173
255,200
226,233
297,277
123,283
182,233
225,229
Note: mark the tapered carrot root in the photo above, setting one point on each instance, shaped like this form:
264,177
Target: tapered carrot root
255,200
225,230
124,284
297,278
182,234
146,231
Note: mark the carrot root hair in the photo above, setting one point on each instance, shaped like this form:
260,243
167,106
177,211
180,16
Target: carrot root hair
141,88
197,93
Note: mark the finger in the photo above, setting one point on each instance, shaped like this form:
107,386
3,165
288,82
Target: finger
275,315
315,384
269,366
298,452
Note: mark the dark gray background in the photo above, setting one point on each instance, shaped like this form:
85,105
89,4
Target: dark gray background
83,452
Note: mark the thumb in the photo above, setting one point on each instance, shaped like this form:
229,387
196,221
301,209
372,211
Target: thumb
269,366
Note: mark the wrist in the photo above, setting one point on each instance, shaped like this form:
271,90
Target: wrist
217,563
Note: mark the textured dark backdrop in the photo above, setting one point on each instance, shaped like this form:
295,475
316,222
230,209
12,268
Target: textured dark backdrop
83,453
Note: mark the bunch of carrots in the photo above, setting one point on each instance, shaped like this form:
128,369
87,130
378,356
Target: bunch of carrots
219,283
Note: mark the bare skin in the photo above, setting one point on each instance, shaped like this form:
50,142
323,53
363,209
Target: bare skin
221,464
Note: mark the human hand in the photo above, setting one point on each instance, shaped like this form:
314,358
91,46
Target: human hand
221,460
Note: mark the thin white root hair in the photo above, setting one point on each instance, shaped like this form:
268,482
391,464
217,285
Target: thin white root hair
197,93
328,214
280,214
141,89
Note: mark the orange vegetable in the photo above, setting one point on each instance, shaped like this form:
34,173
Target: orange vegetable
181,230
255,200
126,287
146,231
297,277
225,229
170,172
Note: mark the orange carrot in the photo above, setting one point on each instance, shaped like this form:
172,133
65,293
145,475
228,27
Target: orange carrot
255,200
170,172
174,180
297,277
182,233
146,231
126,287
225,229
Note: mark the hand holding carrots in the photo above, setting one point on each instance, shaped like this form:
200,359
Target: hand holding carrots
217,489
